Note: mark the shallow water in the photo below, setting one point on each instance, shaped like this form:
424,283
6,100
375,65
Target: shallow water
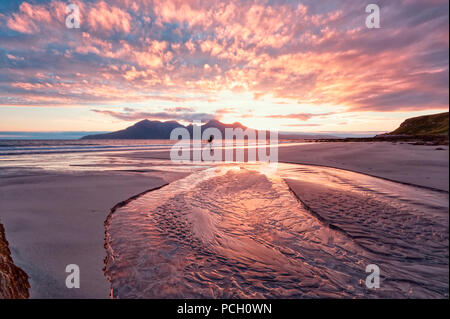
239,231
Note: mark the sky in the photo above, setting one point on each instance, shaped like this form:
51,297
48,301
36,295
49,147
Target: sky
306,66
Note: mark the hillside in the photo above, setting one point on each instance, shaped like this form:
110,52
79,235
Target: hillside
436,124
141,130
146,129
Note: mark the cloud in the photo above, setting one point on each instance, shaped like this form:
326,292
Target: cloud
173,50
128,114
179,109
303,125
226,110
298,116
29,18
102,16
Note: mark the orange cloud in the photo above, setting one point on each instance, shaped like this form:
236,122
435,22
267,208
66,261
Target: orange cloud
105,17
29,18
136,50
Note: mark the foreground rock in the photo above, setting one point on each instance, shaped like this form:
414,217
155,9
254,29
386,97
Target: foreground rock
13,280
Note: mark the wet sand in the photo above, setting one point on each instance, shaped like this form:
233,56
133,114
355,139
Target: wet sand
413,164
240,231
53,220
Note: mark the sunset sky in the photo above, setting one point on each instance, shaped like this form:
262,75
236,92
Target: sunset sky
309,66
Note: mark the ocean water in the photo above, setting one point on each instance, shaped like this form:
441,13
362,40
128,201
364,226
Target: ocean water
24,147
45,135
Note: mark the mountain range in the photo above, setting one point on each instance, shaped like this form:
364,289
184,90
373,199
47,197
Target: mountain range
430,125
147,129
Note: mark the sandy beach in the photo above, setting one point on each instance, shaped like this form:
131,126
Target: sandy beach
55,218
420,165
233,150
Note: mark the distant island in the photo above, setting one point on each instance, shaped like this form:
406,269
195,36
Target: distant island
431,129
147,129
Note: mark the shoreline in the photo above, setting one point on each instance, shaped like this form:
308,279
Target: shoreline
430,140
56,218
371,175
416,165
53,220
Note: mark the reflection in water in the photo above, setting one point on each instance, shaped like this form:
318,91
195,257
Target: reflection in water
94,162
231,230
238,231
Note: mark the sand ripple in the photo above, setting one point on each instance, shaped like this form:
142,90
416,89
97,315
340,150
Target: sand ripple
240,232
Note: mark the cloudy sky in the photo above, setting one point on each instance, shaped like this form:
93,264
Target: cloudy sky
290,65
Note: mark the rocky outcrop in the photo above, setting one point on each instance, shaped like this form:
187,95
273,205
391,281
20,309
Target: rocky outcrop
13,280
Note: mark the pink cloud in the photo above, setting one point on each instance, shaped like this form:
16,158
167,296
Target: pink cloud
136,50
105,17
27,20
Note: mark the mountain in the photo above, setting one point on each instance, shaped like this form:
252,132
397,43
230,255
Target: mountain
432,125
217,124
157,130
161,130
141,130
